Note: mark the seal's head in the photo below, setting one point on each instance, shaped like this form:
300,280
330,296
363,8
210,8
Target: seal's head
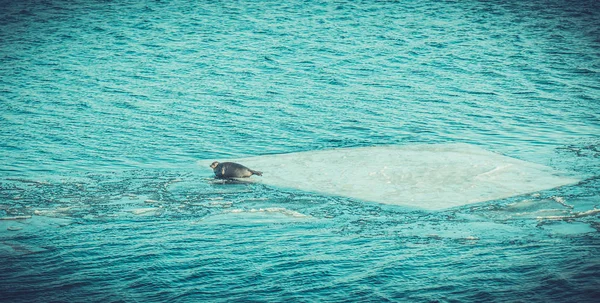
214,164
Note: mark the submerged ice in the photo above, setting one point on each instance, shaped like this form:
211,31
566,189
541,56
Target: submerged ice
421,176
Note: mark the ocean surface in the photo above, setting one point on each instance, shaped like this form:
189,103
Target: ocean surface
106,107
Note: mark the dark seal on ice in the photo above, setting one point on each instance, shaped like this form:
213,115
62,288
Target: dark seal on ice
228,170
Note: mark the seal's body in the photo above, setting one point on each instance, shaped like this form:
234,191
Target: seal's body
228,170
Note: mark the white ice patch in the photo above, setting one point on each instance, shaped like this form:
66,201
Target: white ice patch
422,176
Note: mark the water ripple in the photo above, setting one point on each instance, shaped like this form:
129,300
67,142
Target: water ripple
107,106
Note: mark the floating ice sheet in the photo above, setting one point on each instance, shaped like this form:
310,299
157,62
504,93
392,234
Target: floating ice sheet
421,176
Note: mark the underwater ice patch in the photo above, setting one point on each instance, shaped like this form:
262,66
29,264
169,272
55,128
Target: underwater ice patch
422,176
255,216
569,228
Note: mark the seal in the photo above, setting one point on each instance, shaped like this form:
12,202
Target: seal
228,170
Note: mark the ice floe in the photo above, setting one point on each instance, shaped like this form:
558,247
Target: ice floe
255,216
432,177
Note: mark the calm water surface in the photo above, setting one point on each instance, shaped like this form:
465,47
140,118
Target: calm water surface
107,105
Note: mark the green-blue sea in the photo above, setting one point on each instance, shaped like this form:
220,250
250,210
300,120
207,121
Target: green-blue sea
106,106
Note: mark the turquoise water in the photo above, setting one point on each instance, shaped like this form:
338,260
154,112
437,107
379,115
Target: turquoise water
107,105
